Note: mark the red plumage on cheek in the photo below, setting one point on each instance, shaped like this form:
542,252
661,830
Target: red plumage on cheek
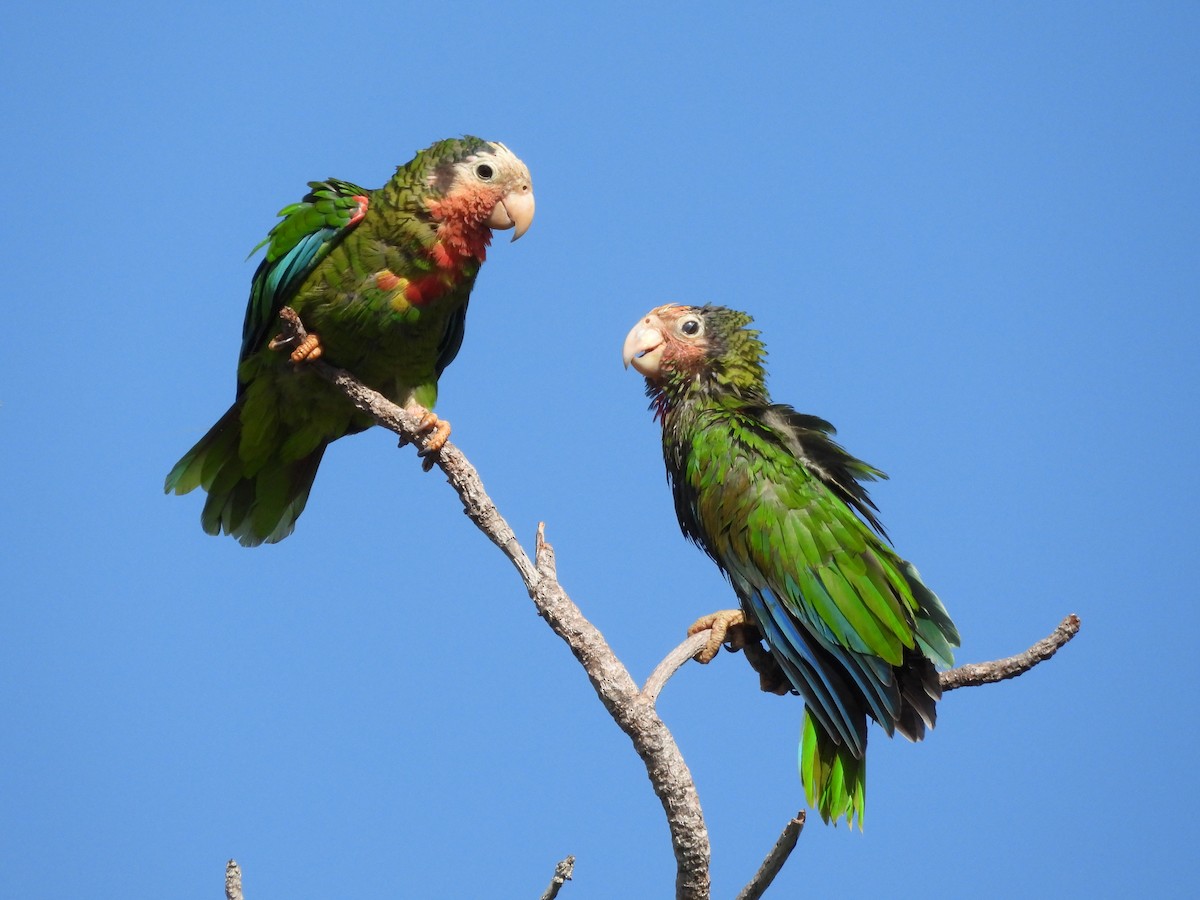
683,356
462,231
462,236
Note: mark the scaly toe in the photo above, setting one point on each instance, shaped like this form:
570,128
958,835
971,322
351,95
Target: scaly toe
719,622
309,350
437,432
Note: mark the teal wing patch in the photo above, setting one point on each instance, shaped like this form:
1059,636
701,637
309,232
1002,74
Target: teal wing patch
305,234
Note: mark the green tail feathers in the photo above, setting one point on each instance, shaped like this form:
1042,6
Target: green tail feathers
835,780
256,507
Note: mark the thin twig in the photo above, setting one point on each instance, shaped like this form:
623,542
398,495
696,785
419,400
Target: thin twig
973,674
562,874
233,881
633,713
672,663
775,859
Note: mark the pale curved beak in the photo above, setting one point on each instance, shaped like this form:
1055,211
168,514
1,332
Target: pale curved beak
515,210
643,347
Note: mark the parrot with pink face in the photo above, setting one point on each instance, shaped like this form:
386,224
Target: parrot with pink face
782,510
380,280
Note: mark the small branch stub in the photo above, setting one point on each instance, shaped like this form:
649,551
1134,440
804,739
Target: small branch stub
562,874
775,859
233,881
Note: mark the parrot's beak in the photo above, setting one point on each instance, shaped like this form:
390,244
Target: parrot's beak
644,346
515,210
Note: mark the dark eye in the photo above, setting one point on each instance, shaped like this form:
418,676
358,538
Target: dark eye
690,327
484,171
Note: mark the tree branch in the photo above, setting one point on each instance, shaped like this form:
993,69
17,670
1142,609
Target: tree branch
672,663
775,859
233,881
669,774
974,674
632,709
968,675
562,874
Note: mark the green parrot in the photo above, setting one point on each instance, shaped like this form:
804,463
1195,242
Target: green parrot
781,508
380,279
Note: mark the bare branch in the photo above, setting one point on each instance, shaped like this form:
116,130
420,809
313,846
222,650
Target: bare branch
968,675
632,709
562,874
775,859
633,713
233,881
673,662
974,674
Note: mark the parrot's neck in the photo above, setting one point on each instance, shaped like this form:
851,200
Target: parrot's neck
681,397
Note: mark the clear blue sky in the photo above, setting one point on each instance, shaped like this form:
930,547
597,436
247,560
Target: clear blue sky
970,234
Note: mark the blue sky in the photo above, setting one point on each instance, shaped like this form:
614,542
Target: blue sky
969,235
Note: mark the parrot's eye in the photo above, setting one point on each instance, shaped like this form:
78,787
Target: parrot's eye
484,171
690,327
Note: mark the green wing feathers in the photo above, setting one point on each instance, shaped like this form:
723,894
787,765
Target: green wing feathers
303,236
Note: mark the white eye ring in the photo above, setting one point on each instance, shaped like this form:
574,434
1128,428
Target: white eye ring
485,172
691,326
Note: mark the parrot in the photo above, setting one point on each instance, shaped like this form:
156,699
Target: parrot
380,279
782,509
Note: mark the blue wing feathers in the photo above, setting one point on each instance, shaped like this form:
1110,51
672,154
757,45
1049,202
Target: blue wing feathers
305,234
834,704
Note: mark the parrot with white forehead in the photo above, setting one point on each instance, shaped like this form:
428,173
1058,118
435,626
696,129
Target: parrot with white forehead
380,279
782,510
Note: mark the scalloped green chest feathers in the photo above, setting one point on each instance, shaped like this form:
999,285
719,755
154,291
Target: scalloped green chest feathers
370,272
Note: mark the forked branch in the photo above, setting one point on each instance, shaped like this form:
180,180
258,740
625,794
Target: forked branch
631,708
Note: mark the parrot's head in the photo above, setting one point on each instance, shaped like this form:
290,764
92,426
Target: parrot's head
681,349
476,186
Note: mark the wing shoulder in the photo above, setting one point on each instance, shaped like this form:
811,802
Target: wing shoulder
303,236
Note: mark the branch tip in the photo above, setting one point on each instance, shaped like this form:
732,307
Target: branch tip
975,674
543,554
775,859
562,874
233,880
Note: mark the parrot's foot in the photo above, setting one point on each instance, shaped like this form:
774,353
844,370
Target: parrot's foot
291,331
309,350
771,677
438,431
720,622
